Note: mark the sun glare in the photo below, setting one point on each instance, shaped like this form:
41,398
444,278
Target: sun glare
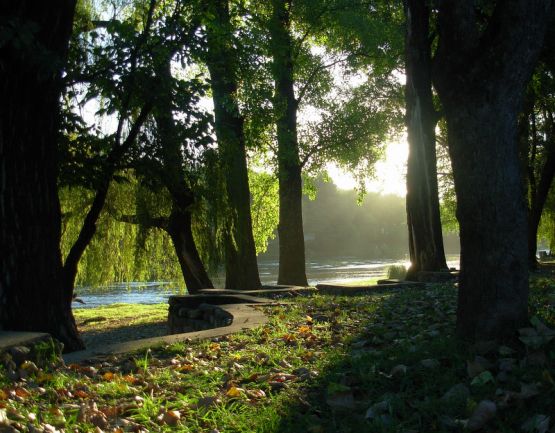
390,172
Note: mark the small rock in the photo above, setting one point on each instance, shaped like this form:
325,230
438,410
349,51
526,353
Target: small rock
19,353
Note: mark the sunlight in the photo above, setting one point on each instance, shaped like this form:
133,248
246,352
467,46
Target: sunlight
390,172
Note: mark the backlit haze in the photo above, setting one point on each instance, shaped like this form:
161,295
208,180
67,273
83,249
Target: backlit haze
390,172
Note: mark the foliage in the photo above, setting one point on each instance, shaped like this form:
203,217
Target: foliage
264,208
119,251
398,272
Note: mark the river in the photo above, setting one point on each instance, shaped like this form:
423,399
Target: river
342,270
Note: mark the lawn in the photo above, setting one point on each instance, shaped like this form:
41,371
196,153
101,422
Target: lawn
376,363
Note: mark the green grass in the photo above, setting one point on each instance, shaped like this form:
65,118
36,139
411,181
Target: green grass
318,366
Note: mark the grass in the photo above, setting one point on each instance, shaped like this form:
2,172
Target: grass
374,363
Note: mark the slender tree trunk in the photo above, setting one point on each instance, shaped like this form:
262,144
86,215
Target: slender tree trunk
290,228
423,218
31,286
88,229
194,273
481,76
241,265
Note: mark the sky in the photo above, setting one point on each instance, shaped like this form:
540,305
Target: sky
390,172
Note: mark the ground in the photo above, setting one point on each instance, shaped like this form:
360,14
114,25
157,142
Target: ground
386,362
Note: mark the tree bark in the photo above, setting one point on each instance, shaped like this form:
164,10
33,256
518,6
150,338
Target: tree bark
241,266
423,217
290,227
481,76
31,287
194,273
173,176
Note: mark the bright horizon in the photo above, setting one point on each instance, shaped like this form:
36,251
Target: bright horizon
390,172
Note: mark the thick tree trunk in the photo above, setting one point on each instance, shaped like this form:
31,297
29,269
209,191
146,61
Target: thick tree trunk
241,266
290,228
481,76
423,218
493,282
194,273
31,290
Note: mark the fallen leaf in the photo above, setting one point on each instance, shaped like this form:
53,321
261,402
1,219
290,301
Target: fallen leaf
484,413
536,424
341,400
235,392
171,417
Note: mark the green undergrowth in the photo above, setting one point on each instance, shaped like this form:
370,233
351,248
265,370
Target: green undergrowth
376,363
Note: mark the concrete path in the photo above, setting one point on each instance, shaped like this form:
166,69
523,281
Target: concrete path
244,317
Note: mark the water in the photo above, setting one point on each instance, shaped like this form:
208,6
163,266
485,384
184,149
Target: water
322,271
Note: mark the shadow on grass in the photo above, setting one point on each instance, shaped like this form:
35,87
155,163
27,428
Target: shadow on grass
392,375
98,338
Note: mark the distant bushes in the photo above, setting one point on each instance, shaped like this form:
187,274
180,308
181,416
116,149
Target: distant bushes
397,272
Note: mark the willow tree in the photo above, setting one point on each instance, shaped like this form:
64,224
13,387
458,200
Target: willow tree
221,59
111,69
484,61
33,52
423,216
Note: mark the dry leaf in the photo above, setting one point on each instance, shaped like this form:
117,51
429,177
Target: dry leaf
484,413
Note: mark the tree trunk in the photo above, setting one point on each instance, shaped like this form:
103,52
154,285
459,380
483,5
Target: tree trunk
290,228
88,229
241,265
481,76
423,217
173,176
194,273
31,290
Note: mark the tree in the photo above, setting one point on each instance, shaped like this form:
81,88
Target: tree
483,64
537,131
123,98
290,228
423,217
221,59
33,52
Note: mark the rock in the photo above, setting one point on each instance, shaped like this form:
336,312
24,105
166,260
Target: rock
194,314
19,354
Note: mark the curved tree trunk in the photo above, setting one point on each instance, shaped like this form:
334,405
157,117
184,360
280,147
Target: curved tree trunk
290,228
241,266
194,273
481,76
31,287
88,229
423,217
173,176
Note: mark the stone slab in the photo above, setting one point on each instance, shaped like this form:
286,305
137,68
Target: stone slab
244,317
266,291
344,290
16,338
